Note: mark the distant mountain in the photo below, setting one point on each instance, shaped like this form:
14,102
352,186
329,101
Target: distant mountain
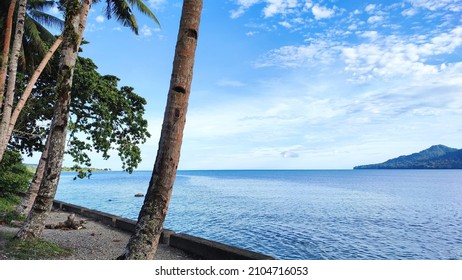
435,157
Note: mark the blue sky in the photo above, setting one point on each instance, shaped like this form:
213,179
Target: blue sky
296,84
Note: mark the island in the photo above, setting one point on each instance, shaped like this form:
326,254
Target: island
435,157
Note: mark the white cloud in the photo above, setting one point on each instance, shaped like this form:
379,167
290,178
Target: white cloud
308,5
289,154
322,12
371,35
147,31
370,8
375,19
91,27
379,56
285,24
321,52
433,5
409,12
272,7
279,7
243,6
392,55
100,19
353,27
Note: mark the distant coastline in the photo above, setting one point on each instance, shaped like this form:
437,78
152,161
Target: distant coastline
435,157
32,167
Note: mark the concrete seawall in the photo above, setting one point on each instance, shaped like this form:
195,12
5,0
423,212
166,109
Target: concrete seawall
203,248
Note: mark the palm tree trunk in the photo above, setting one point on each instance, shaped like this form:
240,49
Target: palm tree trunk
26,94
28,200
6,48
12,73
143,243
75,21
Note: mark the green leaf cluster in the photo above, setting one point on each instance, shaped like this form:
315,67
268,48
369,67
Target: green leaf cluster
14,176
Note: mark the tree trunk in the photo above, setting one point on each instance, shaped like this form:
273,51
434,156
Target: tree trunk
26,94
28,200
6,48
75,21
12,73
143,243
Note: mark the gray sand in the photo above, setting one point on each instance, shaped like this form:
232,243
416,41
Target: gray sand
96,241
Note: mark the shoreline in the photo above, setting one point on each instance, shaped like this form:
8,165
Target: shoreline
105,237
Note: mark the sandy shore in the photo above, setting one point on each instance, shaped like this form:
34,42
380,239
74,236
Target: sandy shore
95,241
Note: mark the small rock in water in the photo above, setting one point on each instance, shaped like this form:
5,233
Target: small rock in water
139,195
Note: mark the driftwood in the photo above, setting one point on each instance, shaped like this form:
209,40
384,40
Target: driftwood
70,223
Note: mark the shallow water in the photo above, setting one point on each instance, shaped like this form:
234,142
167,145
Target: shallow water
341,214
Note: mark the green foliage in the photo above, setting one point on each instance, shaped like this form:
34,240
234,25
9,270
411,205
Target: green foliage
37,38
35,249
14,176
435,157
8,212
103,117
8,202
107,116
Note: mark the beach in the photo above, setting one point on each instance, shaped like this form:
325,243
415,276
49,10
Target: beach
95,241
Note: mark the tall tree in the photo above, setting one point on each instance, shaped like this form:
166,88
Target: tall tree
76,13
6,48
12,71
75,22
143,243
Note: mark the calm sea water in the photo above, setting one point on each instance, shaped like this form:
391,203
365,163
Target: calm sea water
347,214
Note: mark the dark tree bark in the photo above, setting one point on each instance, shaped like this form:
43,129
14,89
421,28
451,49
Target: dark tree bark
75,21
143,243
28,200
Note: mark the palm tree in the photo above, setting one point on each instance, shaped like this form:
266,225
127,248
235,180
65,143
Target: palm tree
143,243
35,37
6,46
76,13
12,71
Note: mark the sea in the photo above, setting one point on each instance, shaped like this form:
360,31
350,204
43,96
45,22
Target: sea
299,214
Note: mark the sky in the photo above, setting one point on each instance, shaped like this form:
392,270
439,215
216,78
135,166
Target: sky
295,84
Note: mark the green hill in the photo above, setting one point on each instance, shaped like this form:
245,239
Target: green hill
435,157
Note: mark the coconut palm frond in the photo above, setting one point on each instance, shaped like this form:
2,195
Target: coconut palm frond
33,37
46,19
122,12
142,8
46,35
